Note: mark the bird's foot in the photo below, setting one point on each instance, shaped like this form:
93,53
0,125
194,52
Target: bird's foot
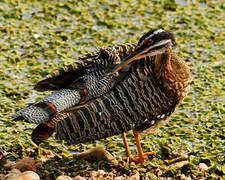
142,158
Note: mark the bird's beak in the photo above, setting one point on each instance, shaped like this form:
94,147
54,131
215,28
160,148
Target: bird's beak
132,57
138,54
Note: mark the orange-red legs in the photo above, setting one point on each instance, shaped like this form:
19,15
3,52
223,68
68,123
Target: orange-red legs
126,145
140,157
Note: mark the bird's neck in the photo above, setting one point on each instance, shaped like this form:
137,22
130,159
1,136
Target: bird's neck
172,74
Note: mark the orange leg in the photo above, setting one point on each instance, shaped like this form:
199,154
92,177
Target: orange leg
140,156
126,145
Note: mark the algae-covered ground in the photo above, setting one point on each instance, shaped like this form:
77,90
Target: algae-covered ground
37,37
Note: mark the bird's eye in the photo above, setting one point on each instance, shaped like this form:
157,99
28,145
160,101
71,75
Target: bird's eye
147,41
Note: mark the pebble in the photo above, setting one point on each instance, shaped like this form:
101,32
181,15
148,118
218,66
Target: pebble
25,164
64,178
203,167
100,173
119,178
99,154
183,177
27,175
79,178
13,173
135,176
8,165
93,174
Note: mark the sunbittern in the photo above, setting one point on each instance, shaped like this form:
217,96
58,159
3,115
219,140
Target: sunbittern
111,91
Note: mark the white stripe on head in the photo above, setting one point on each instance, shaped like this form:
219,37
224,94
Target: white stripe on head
160,43
153,34
153,53
156,32
157,51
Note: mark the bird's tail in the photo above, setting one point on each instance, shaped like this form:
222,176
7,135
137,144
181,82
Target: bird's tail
50,105
45,130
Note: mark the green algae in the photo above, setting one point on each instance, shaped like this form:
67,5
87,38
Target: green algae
38,37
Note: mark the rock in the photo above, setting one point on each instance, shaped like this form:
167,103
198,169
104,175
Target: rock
93,174
13,173
203,167
183,177
119,178
46,152
109,176
64,178
98,154
2,176
100,174
135,176
26,164
79,178
8,165
27,175
177,164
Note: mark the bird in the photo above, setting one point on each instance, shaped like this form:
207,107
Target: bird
111,91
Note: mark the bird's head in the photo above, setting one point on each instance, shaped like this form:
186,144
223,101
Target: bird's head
155,39
152,43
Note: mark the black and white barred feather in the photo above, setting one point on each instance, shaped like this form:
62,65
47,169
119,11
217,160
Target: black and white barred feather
91,72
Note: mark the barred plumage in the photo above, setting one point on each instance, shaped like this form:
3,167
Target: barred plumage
95,64
90,74
121,88
120,110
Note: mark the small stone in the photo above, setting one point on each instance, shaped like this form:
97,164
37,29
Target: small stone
64,178
12,174
177,164
79,178
109,176
26,164
93,174
101,172
36,36
119,178
8,165
99,154
203,167
27,175
2,176
135,176
15,171
182,177
46,152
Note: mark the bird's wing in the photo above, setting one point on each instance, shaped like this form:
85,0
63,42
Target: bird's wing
105,58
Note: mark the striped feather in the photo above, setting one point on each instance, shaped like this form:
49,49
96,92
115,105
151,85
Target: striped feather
98,63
